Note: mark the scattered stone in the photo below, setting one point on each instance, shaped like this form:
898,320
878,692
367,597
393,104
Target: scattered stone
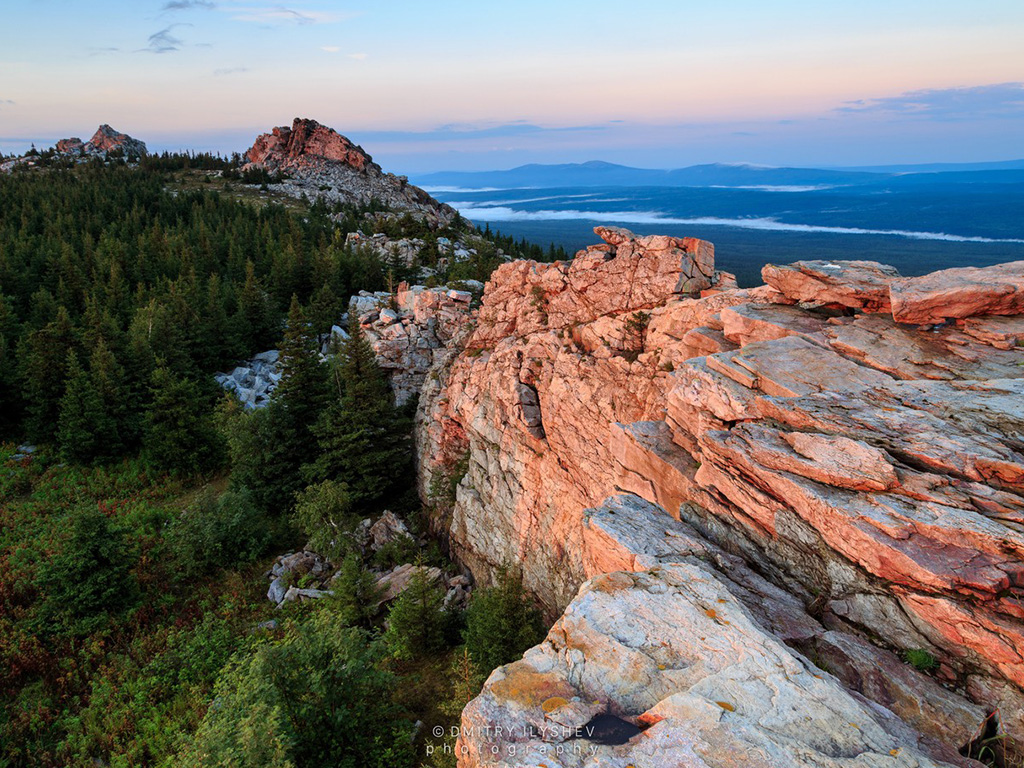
254,382
388,528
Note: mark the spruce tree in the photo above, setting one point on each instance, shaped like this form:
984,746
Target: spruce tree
180,435
43,358
324,310
10,399
117,426
416,621
254,323
302,391
363,440
80,425
272,445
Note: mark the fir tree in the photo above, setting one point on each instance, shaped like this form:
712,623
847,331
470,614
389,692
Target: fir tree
43,356
302,391
270,447
179,432
81,425
363,440
117,425
501,622
324,310
416,621
255,319
356,598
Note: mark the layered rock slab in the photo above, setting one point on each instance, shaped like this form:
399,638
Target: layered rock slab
693,657
862,285
959,292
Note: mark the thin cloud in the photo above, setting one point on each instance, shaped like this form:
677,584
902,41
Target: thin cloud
283,15
184,5
165,41
6,101
359,56
988,101
468,131
330,48
229,71
103,51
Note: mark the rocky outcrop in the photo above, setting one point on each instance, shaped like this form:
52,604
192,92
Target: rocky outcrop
104,142
870,473
317,161
410,329
304,145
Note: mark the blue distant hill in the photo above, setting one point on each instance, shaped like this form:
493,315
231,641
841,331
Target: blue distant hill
740,176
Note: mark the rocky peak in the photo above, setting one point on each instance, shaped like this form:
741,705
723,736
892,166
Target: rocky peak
102,142
318,162
306,143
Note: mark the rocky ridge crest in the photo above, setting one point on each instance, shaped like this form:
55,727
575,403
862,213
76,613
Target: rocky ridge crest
317,161
848,486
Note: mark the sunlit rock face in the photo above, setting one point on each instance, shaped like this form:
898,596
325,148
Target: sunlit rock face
868,470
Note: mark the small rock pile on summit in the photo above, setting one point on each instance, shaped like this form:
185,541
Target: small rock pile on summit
317,161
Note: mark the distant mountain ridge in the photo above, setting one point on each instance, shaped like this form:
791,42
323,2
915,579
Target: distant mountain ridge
597,173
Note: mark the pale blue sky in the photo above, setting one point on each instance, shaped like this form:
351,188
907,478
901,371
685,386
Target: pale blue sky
459,84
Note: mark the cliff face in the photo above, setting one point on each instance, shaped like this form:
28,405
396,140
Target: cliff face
866,474
320,162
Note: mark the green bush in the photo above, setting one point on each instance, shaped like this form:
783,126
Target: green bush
324,513
317,697
218,532
920,659
501,622
89,579
398,551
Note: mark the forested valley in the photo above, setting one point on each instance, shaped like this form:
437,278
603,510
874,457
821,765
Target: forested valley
141,506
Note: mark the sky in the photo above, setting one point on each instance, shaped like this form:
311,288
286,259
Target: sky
463,85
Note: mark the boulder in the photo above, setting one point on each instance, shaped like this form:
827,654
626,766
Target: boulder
861,285
395,582
958,293
388,528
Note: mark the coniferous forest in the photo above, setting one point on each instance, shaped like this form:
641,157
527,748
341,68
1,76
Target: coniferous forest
141,505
